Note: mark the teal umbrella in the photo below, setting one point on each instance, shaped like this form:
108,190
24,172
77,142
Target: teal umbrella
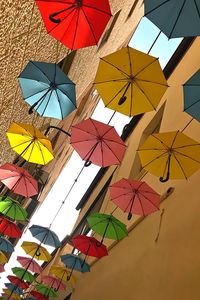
45,235
107,226
5,245
14,288
47,90
176,18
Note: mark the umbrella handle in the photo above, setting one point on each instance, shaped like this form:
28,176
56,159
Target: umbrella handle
37,253
129,216
30,111
162,179
55,127
53,15
52,19
87,163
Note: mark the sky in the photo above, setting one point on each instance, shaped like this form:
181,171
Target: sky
142,40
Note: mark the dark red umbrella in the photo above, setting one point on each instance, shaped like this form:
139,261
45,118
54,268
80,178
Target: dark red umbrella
18,282
98,143
89,246
9,228
30,264
134,197
18,180
75,23
38,295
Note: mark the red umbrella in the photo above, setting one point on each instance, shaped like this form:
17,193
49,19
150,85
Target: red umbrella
18,180
38,295
89,246
9,228
30,264
75,23
53,282
18,282
2,268
134,197
98,143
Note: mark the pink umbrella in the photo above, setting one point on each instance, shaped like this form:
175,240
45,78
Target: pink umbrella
2,268
53,282
134,197
18,180
30,264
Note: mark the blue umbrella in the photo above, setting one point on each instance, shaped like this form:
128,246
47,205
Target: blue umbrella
45,235
5,245
13,288
47,89
192,96
176,18
74,262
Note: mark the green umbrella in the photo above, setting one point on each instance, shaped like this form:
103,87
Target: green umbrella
23,274
12,209
45,290
107,226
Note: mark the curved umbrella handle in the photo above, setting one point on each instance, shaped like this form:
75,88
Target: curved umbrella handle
87,163
129,216
162,179
38,253
52,19
30,111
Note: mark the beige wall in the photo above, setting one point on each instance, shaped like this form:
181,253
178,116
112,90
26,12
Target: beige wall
137,268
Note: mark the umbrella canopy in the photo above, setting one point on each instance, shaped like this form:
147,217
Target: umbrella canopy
12,209
62,273
45,235
14,288
47,89
2,269
3,258
191,96
9,228
107,226
170,155
75,23
36,251
174,18
130,82
23,274
89,246
38,295
5,245
134,197
98,143
30,264
18,282
53,282
30,143
8,292
45,290
18,180
74,262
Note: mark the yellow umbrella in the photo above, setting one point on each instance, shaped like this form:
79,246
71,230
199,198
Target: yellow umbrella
8,292
170,155
30,143
35,250
3,258
62,273
130,81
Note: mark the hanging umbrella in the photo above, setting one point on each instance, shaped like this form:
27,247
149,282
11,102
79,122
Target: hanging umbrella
191,96
53,282
75,23
23,274
74,262
48,90
2,269
89,246
18,180
130,82
36,251
5,245
3,258
45,235
45,290
30,143
107,226
134,197
9,228
38,295
174,18
170,155
14,288
8,293
30,264
18,282
62,273
12,209
98,143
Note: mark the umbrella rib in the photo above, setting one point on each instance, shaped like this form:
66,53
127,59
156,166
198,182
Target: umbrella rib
146,96
50,94
157,7
177,18
155,137
180,166
96,42
112,151
84,131
109,63
47,88
67,95
93,123
113,225
145,67
131,202
192,105
174,139
59,103
40,70
149,200
154,82
141,205
112,80
160,156
124,87
30,142
98,9
75,31
186,146
38,144
188,157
